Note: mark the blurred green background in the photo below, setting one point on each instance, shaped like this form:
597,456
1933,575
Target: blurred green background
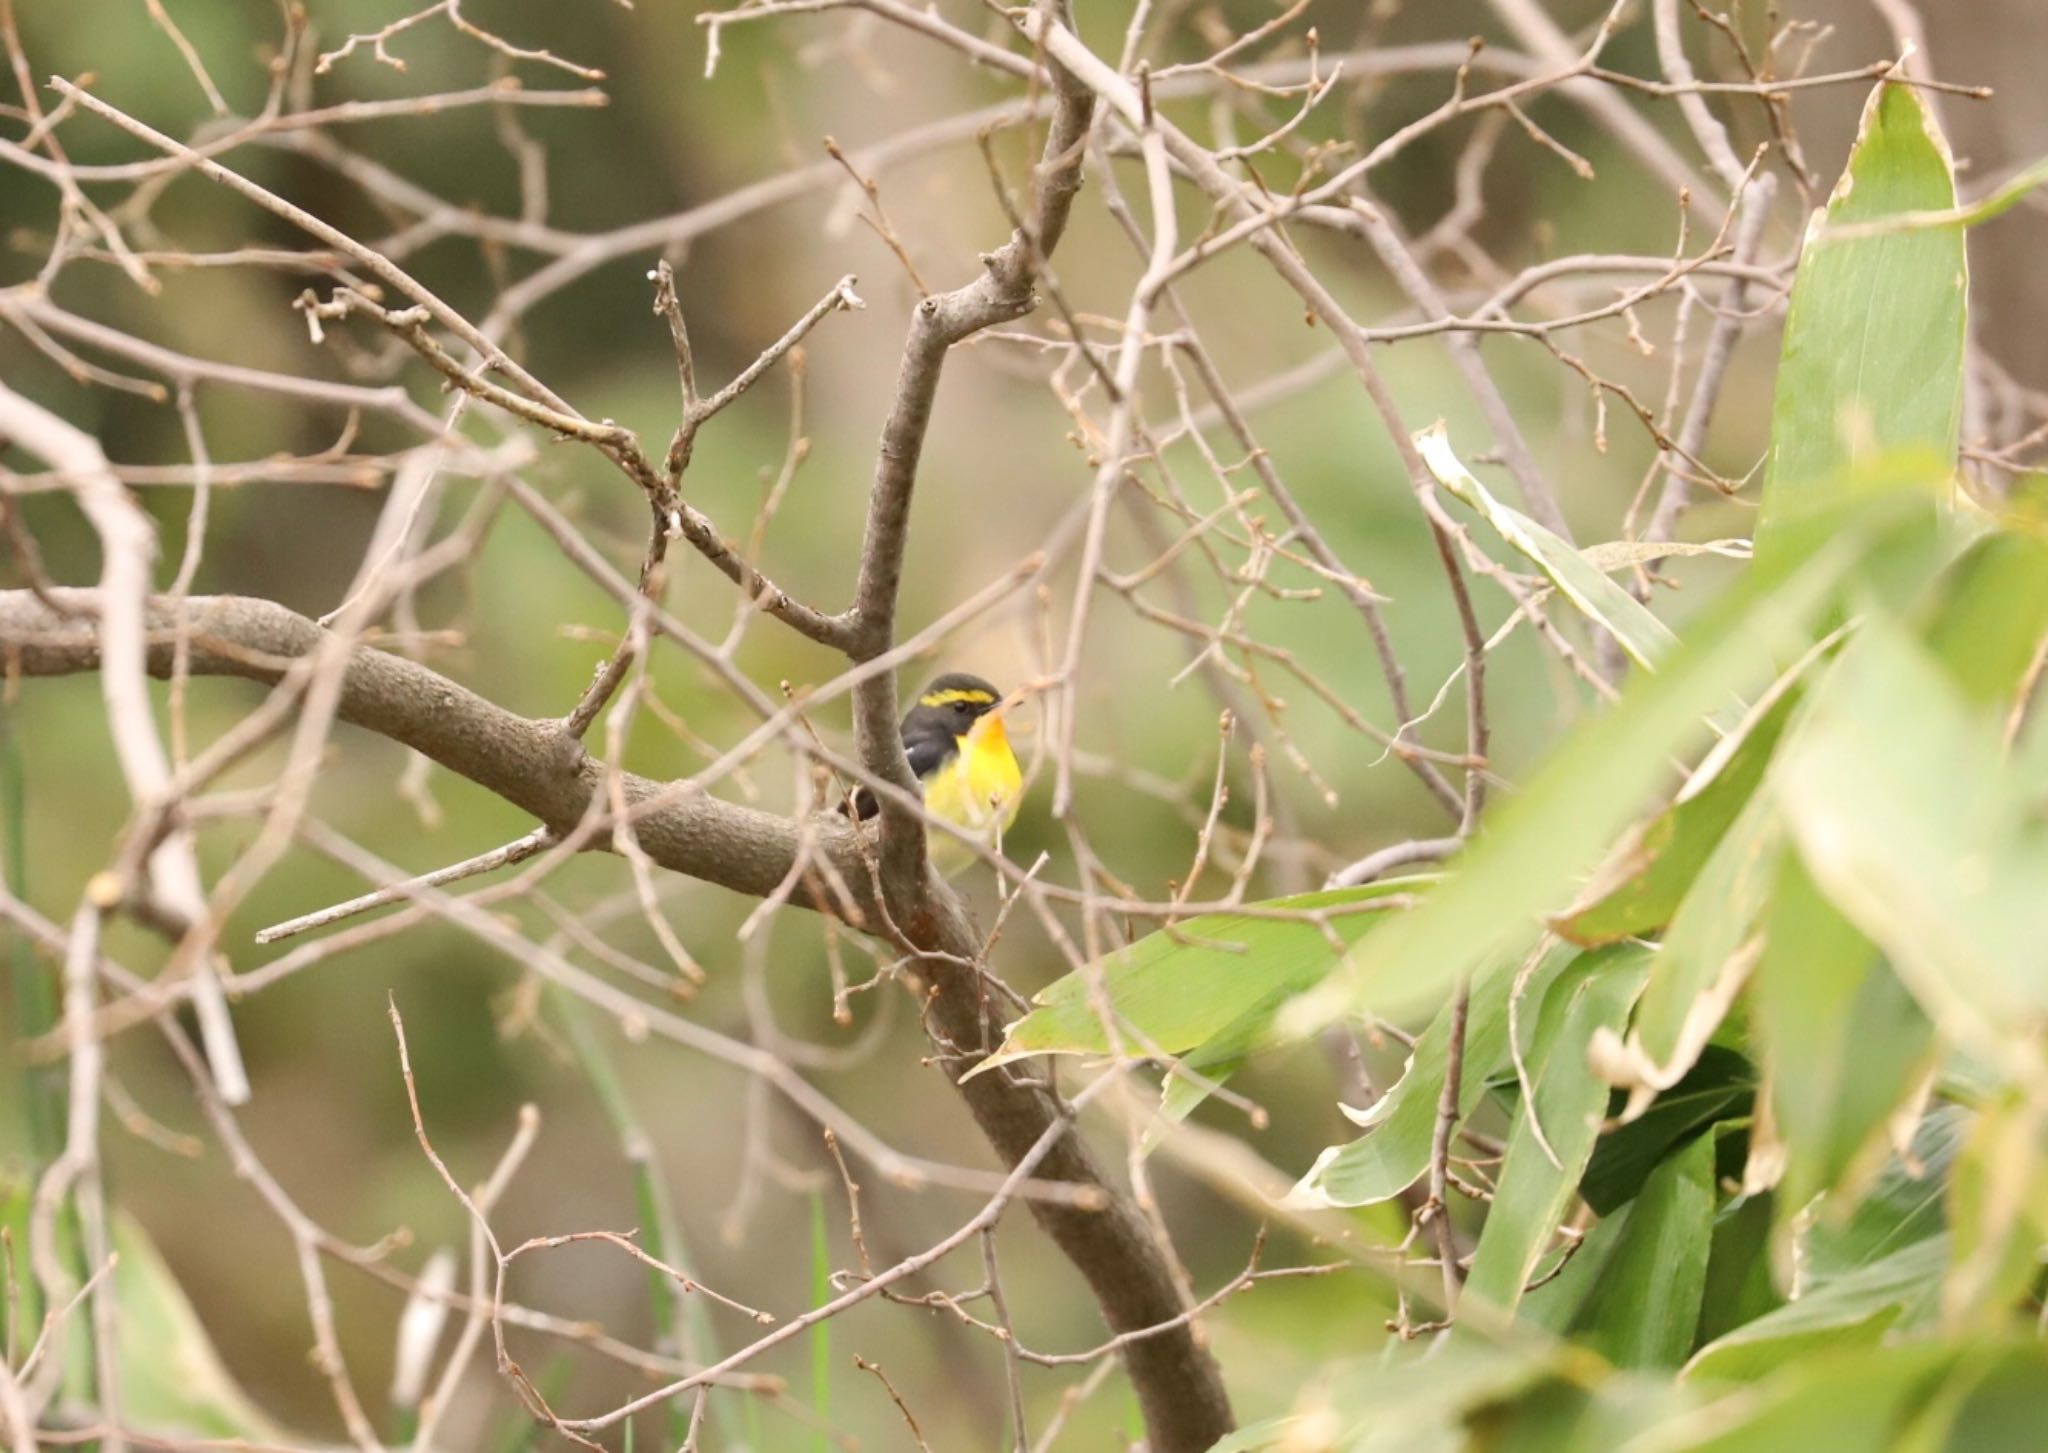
1001,469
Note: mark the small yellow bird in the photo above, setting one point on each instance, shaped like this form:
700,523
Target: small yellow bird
958,749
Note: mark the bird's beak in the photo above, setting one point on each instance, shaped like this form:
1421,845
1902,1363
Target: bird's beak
988,730
1024,726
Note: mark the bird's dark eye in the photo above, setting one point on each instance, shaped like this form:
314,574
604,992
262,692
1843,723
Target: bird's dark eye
963,708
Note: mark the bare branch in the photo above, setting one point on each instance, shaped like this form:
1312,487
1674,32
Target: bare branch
516,851
121,607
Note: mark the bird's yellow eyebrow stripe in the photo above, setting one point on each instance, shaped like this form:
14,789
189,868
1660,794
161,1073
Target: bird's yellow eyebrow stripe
947,698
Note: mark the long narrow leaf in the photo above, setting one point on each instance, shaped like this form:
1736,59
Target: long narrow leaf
1644,1309
1854,1311
1940,868
1182,986
1534,1190
1873,351
1643,882
1394,1151
172,1380
1999,1197
1705,958
1646,639
1847,1044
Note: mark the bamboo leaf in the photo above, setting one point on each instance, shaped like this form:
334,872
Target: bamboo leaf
34,982
1989,616
1940,868
1903,1205
682,1324
1555,1305
821,1333
1414,1398
1612,555
1646,639
1854,1311
1399,1127
1739,1286
1646,1304
1997,1397
1705,959
1720,1086
1873,352
1640,887
172,1379
1999,1199
1533,1192
1846,1043
1994,205
1830,1397
1182,986
1253,1437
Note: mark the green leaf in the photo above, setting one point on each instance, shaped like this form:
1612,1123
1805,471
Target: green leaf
1720,1086
821,1334
1182,986
1873,352
172,1380
1646,639
1989,617
1578,1413
1846,1043
1833,1398
1903,1205
1254,1437
1911,824
1853,1311
173,1383
1962,1396
1555,1305
1739,1286
1535,850
1997,1397
42,1094
1533,1192
1400,1126
1702,964
1212,1063
1646,1304
682,1323
1641,885
1416,1397
1994,204
1999,1208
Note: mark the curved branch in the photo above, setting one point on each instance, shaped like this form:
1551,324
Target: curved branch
533,764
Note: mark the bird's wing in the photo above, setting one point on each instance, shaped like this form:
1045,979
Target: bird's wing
926,753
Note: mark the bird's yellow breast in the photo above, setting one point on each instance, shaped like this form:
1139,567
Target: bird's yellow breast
978,788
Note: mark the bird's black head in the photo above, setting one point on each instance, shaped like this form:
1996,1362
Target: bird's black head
952,703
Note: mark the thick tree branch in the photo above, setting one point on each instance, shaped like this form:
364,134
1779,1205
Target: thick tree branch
1001,293
531,763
